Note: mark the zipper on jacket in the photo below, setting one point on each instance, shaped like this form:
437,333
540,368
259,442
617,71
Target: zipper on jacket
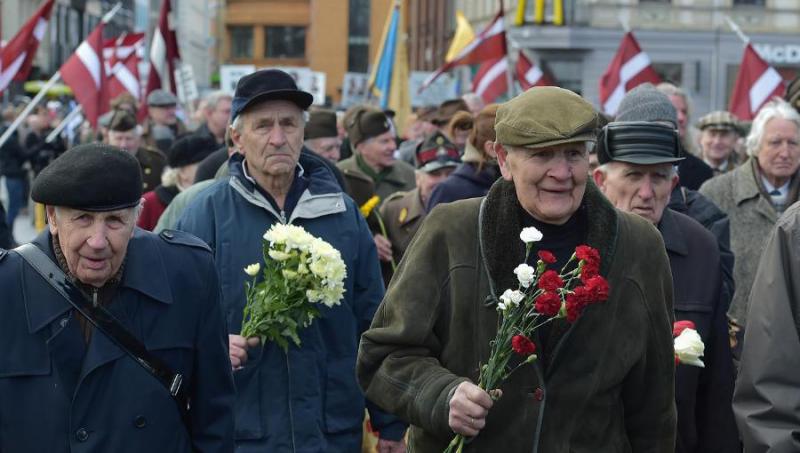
94,297
282,216
289,384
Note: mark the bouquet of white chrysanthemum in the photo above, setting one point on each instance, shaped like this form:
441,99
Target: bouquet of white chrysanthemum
300,272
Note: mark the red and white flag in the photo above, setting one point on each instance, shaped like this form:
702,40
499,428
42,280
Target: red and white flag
164,56
16,57
529,75
85,75
121,57
629,68
489,45
756,83
491,80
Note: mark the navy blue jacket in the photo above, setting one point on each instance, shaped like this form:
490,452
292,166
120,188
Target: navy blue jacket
58,394
307,400
465,182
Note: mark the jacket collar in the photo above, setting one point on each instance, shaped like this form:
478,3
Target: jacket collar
415,209
144,272
500,225
674,240
745,186
351,168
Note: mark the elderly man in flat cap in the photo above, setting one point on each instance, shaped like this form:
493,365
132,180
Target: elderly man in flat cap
604,383
637,174
306,399
163,125
111,337
719,132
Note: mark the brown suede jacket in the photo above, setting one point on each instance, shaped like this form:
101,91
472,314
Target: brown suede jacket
604,384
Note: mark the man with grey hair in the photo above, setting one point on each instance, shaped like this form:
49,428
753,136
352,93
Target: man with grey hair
111,337
756,193
306,398
637,175
216,112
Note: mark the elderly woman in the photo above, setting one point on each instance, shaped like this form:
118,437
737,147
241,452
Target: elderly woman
756,193
604,383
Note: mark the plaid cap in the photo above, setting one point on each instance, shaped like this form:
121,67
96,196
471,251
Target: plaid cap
719,119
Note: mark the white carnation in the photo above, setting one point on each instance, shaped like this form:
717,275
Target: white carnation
530,234
525,274
252,270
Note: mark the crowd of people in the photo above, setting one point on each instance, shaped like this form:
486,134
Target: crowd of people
150,223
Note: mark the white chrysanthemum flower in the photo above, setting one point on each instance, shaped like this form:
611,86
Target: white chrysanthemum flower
277,255
252,270
530,234
525,274
512,297
689,348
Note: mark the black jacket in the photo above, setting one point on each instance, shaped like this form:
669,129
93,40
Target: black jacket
6,239
465,182
12,156
694,172
703,395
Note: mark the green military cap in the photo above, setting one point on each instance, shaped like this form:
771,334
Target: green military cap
719,119
545,116
121,121
367,124
321,124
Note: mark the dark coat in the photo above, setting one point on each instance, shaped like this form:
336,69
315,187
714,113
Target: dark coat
693,172
703,395
609,381
307,400
6,238
767,396
152,162
12,156
59,395
465,182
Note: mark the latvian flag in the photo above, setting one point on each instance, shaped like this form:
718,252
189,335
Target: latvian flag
529,75
756,83
629,68
85,75
16,57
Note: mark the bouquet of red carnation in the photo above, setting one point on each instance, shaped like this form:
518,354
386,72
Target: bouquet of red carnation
542,296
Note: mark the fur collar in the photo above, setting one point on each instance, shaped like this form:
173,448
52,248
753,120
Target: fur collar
500,225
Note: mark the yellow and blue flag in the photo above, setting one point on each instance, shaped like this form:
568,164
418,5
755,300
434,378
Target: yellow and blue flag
388,81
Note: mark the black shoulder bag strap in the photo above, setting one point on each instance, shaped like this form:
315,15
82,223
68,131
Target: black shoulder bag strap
105,322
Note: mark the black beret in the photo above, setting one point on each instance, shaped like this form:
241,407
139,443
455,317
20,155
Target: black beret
121,121
368,124
322,124
93,177
190,149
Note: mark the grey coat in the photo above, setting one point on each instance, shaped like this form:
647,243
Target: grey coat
752,216
766,398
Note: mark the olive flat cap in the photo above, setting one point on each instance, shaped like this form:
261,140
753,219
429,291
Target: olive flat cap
321,124
545,116
93,177
161,98
719,119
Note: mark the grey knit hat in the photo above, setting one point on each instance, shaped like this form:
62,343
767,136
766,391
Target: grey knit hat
646,103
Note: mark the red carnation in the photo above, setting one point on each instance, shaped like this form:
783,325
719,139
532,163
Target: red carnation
576,301
598,287
588,254
547,257
679,326
550,281
589,270
522,345
548,304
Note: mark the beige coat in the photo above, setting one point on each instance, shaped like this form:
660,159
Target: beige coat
740,195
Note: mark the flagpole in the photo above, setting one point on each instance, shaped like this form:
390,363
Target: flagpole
737,30
509,69
67,119
49,84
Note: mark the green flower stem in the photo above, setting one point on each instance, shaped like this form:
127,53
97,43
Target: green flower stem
383,232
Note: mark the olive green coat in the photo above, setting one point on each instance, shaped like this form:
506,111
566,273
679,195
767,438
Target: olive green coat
361,187
604,384
402,214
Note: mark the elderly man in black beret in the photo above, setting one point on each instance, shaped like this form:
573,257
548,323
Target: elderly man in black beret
306,398
637,175
111,337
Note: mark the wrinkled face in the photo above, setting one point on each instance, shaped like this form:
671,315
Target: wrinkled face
378,151
549,182
426,182
217,118
327,147
94,243
270,136
717,144
638,189
683,113
127,140
779,151
164,115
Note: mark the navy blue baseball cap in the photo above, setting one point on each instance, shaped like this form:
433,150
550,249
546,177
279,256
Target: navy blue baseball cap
267,85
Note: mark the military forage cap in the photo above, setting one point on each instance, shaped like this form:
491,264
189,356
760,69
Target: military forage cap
719,120
121,121
436,152
545,116
321,124
367,124
93,177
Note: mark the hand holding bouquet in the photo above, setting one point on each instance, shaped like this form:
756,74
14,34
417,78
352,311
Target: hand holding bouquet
300,273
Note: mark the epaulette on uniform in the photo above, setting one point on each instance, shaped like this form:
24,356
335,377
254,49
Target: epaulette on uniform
183,238
395,196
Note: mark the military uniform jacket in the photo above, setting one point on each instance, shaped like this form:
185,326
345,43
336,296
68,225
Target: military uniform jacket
59,394
361,187
153,163
402,215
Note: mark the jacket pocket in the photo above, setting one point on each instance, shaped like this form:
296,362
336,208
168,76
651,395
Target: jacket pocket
25,365
248,420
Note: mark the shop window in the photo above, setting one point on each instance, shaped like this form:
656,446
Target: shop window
241,39
285,42
670,72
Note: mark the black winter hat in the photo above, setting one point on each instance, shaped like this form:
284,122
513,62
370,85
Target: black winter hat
93,177
190,149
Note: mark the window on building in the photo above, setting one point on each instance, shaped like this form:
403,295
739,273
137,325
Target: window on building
285,42
670,72
241,39
358,36
567,73
749,2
